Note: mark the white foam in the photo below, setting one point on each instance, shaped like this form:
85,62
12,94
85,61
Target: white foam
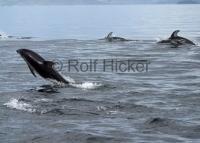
101,108
113,112
19,105
86,85
44,100
3,35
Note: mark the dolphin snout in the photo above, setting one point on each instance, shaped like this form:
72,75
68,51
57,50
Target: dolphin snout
18,51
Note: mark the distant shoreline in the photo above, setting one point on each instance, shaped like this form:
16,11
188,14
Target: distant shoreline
96,4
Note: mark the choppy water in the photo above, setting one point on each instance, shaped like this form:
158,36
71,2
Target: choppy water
161,105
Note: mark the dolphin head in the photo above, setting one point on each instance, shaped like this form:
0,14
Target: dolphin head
32,59
24,51
29,55
21,51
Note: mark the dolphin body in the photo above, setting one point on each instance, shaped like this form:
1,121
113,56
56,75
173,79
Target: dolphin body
176,40
39,65
111,38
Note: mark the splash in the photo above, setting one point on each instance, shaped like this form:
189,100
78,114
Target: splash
159,39
3,35
87,85
19,105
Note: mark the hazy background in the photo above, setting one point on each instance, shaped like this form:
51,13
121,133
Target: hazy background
160,106
95,2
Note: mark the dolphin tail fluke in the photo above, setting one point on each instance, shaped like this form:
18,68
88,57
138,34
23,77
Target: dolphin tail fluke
175,33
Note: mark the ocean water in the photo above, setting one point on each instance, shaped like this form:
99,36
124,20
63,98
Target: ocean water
157,105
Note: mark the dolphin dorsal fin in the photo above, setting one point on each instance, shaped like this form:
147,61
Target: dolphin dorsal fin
175,34
109,35
49,63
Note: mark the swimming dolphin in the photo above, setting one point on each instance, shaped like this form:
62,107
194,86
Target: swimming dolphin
111,38
39,65
176,40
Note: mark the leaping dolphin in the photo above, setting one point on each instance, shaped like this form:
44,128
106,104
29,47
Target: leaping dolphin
111,38
39,65
176,40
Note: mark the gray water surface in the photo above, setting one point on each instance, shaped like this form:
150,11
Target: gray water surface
161,105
